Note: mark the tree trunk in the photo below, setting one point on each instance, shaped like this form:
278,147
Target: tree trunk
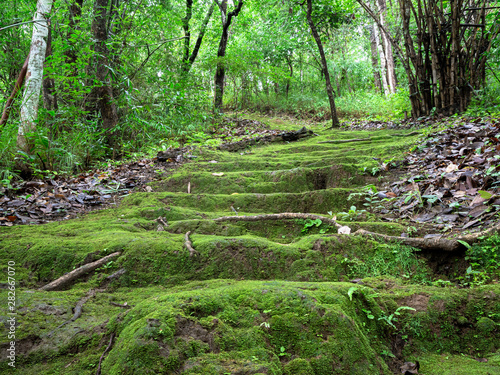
325,73
75,13
383,62
31,96
15,90
389,56
289,79
103,92
189,59
221,52
375,67
187,35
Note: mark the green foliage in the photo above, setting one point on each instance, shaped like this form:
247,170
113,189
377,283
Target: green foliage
392,318
484,260
352,215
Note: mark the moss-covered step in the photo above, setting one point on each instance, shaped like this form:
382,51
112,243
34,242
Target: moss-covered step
317,201
286,181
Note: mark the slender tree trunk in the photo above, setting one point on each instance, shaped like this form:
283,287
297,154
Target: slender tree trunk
103,92
220,71
189,59
389,56
187,34
375,66
383,62
15,90
221,51
31,97
325,73
75,13
289,79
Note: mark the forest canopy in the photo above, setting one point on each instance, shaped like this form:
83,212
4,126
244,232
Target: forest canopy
116,77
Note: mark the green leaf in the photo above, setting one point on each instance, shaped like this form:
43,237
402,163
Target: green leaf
485,194
350,292
465,244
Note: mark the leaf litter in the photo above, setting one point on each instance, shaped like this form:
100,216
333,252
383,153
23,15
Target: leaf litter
454,178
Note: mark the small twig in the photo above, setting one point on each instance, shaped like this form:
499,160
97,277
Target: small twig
75,274
347,140
189,245
103,354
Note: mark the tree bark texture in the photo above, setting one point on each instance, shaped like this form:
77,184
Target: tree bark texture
220,72
375,65
34,75
75,13
326,74
383,63
387,47
103,93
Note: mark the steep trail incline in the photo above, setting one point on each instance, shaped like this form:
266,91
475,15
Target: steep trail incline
245,297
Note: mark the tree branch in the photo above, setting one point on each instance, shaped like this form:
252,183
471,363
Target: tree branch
75,274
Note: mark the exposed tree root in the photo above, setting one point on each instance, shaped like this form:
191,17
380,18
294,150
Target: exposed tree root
105,351
77,310
347,140
283,215
75,274
189,245
114,276
434,243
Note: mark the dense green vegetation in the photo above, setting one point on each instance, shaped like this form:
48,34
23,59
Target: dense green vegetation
162,91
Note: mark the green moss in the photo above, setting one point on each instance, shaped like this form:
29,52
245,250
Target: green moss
298,366
486,325
448,364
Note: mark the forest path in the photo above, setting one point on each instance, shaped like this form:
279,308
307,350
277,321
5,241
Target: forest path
255,297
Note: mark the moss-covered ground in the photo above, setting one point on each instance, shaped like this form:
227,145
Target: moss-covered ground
263,297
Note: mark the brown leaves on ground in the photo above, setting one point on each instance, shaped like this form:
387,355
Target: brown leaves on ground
43,200
455,178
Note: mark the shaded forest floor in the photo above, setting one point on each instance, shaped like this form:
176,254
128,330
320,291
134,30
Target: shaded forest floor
188,292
